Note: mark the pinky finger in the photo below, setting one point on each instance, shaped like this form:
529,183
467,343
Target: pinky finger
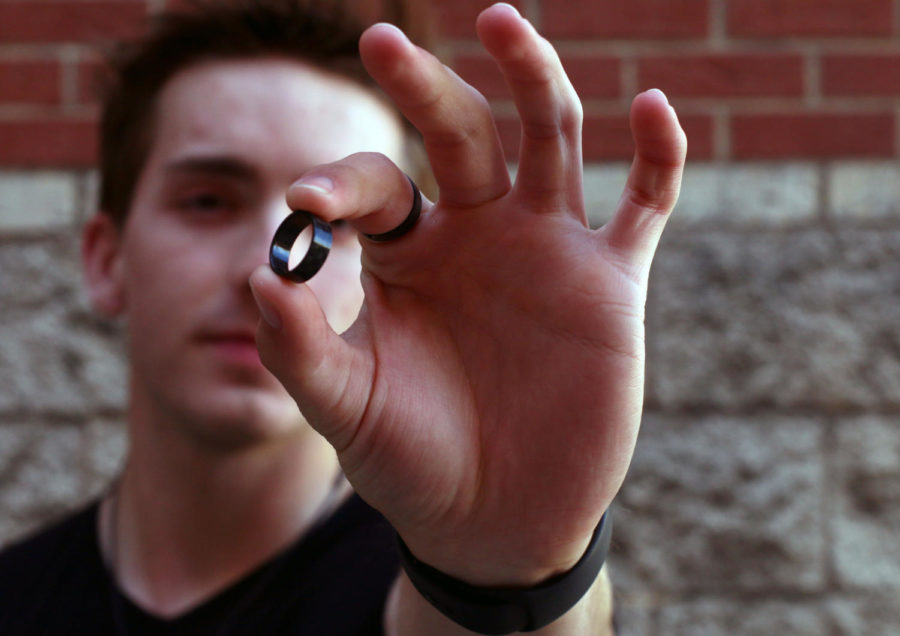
654,181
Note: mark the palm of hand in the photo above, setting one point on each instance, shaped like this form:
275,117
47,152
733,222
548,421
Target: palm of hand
507,380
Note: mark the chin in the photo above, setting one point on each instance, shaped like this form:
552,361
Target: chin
247,421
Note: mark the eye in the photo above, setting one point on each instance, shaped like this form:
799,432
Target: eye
203,202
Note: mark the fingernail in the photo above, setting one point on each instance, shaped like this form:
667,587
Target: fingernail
269,314
318,183
506,4
394,27
660,93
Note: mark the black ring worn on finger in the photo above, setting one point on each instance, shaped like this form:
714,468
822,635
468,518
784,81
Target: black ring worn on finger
283,241
408,222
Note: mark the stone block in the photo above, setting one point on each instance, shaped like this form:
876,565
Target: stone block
701,195
60,360
37,272
877,614
41,474
106,448
89,199
716,505
633,619
866,512
721,617
747,195
55,354
719,195
603,186
37,201
801,319
859,191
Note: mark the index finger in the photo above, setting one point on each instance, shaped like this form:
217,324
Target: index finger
454,118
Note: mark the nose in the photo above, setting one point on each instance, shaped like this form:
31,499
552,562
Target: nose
253,238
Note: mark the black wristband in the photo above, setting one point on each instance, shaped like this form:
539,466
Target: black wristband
504,610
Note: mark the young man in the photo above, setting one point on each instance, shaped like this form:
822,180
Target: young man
477,380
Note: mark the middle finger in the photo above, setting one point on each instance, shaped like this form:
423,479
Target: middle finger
550,111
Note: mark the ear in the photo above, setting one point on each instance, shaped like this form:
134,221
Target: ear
101,260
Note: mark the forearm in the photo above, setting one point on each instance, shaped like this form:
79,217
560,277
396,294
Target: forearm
407,612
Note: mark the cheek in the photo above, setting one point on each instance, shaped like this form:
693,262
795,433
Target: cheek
165,280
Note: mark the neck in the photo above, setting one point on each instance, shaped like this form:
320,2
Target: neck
189,521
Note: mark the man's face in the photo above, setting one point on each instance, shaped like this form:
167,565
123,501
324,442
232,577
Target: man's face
230,138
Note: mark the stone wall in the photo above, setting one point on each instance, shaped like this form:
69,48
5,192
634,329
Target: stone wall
764,495
62,374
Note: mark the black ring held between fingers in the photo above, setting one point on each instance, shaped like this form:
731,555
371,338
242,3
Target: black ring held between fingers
285,236
408,222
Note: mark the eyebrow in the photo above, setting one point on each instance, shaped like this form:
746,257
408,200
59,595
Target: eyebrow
213,165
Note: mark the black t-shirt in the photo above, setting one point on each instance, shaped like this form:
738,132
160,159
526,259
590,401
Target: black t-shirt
333,581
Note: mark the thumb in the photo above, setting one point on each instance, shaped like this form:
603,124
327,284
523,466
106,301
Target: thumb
327,377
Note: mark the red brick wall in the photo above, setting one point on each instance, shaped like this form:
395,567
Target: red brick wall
752,79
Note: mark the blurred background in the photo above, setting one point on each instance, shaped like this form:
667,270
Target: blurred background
764,497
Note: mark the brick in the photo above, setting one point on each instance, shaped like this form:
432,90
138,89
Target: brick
699,131
786,18
604,137
608,137
867,502
861,75
824,135
633,19
29,81
89,81
861,191
48,142
67,21
748,516
750,75
457,18
36,201
797,319
483,73
594,77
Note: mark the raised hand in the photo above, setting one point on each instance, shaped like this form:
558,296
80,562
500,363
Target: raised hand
488,397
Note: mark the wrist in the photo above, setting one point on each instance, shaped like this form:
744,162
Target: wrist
508,561
505,609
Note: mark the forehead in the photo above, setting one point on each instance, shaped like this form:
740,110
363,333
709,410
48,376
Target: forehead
285,115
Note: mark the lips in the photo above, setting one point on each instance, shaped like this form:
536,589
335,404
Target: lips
237,346
231,336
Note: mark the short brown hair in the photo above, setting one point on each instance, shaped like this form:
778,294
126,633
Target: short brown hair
323,33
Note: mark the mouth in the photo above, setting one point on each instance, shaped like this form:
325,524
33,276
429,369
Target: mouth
234,346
